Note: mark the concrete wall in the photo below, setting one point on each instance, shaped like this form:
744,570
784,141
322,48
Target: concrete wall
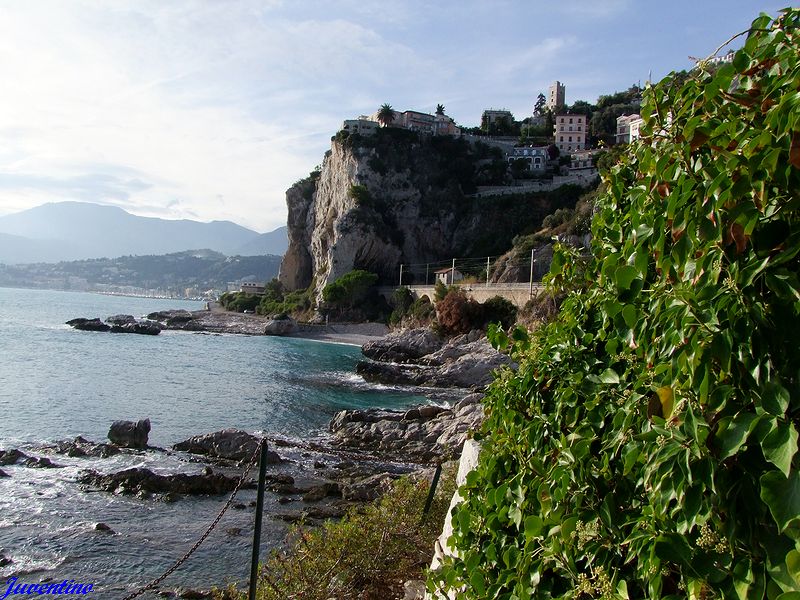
469,460
516,293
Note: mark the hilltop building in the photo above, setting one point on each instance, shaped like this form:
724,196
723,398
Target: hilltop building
491,116
417,121
556,96
363,125
570,132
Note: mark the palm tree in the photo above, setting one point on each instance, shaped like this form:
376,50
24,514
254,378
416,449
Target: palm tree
386,115
440,109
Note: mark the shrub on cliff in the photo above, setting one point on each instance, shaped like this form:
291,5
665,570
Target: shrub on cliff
499,310
457,314
353,296
647,445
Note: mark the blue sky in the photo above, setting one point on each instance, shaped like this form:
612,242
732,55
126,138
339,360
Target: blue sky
211,109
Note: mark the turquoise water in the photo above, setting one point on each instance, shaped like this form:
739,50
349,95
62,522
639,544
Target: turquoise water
57,383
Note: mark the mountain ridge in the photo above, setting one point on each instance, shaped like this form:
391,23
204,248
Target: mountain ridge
59,231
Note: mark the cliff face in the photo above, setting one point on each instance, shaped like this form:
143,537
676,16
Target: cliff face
397,199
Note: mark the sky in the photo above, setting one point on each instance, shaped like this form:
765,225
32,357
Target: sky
210,110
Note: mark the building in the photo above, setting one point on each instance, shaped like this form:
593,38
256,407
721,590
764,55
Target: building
556,96
252,288
491,116
570,132
419,121
448,276
582,162
536,156
628,128
363,125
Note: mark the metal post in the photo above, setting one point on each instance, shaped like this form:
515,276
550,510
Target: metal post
532,261
401,275
262,475
426,273
453,273
487,271
432,491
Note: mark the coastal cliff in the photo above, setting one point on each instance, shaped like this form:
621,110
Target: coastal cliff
396,197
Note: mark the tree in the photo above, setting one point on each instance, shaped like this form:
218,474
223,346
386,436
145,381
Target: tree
539,107
440,109
386,115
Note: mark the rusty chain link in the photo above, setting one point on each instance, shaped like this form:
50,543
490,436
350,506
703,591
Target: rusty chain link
153,584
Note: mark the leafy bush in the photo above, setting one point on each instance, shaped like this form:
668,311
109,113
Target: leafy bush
360,194
239,301
647,445
401,302
458,314
499,310
367,554
439,291
353,296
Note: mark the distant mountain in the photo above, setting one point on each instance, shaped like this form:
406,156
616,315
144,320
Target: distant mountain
272,242
78,230
199,269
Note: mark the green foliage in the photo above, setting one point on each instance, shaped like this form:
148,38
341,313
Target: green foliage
401,302
439,291
647,445
349,289
239,301
276,301
366,555
360,194
499,310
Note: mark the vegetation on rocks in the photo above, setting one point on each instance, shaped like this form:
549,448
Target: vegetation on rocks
366,555
647,445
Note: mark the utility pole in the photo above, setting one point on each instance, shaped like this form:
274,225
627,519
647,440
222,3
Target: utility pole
532,262
401,275
453,273
487,271
427,265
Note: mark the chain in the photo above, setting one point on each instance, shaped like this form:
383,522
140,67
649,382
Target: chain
208,531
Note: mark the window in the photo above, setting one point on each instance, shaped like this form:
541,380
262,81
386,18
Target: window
579,127
562,138
570,120
562,119
570,138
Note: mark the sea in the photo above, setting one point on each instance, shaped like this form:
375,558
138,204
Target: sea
57,383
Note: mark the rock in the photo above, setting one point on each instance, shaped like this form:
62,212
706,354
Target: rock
318,492
3,474
5,561
284,500
404,346
80,447
280,326
190,594
103,527
176,316
14,457
318,464
414,590
88,324
231,444
239,506
129,434
139,327
368,489
120,319
138,479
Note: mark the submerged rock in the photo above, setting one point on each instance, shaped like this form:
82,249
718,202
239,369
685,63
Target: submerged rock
139,327
80,447
136,480
3,474
231,444
17,457
103,527
120,319
130,434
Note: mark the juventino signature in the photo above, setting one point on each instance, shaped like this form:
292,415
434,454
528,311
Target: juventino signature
65,587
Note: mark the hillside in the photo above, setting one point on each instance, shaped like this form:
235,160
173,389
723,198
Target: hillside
199,269
396,197
79,230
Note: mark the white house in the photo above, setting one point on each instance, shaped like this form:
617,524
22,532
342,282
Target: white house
448,276
570,132
536,156
628,128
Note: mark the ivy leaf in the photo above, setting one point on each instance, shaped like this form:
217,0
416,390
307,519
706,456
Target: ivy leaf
782,497
609,376
780,446
667,399
625,276
775,398
477,582
673,547
732,433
